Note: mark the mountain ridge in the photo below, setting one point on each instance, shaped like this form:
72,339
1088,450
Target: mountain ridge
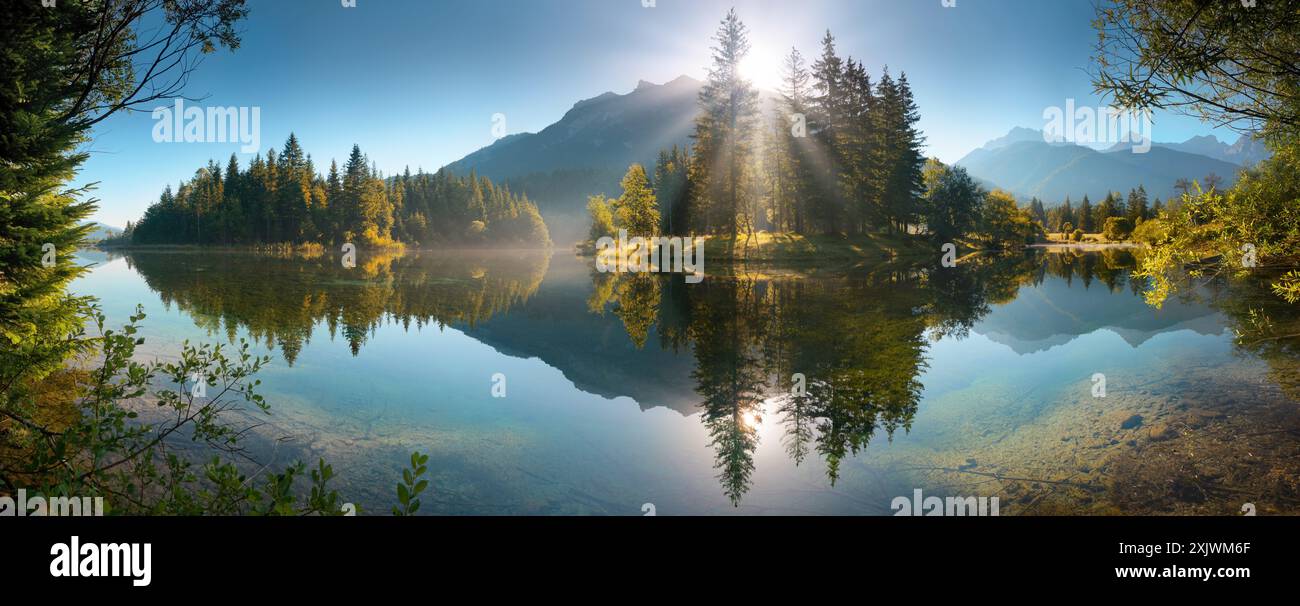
587,151
1034,168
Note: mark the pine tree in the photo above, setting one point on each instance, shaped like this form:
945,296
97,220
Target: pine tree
1068,217
794,162
672,190
334,195
1038,212
859,182
1105,210
827,205
1137,206
355,175
902,159
231,221
724,132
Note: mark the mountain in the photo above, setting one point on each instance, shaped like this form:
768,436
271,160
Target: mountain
100,231
1247,151
1030,167
587,151
1017,135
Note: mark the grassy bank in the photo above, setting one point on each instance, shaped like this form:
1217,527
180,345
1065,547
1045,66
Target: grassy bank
820,250
766,247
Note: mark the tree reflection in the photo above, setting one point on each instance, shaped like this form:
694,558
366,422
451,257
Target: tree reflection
292,293
860,341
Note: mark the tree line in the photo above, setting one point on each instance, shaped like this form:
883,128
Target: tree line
1092,218
282,199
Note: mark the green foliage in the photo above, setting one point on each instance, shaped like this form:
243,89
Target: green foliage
1077,235
953,201
413,483
1061,217
1086,217
126,417
63,69
672,190
636,209
1288,287
1219,61
1207,232
602,217
1152,54
1117,228
1151,232
1004,223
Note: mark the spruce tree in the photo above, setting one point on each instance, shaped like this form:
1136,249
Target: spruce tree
827,206
724,132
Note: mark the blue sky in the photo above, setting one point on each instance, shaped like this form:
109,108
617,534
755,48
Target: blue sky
417,82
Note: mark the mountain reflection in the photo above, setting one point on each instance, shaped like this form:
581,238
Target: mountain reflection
857,340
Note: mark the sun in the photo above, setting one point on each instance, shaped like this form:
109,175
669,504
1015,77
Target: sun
762,69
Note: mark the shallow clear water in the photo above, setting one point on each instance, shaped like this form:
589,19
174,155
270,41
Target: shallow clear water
625,390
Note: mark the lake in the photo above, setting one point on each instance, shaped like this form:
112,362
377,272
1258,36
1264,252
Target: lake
1042,379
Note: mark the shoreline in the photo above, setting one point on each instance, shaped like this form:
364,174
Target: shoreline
1086,245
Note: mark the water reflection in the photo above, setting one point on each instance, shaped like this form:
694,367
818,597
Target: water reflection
858,340
279,299
729,349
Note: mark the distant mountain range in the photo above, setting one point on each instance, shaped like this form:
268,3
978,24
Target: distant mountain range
99,231
1247,151
1026,165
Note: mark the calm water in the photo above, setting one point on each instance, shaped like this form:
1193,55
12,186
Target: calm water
626,390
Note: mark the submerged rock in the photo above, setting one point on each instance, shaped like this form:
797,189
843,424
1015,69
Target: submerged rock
1132,422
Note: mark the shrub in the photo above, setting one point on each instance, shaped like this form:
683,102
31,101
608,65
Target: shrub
1151,231
1077,236
1118,228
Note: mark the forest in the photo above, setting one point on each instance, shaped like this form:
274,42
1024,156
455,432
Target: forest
281,199
839,155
